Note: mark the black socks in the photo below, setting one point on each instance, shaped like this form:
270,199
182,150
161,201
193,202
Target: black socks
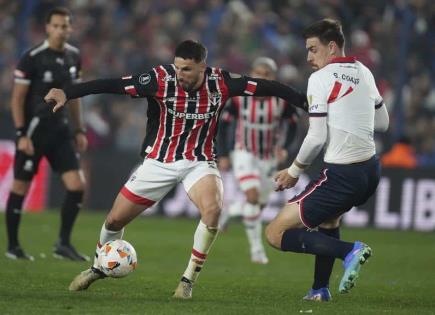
70,208
323,264
13,217
316,243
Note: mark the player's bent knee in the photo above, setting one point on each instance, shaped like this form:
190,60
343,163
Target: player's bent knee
331,224
210,215
273,236
212,211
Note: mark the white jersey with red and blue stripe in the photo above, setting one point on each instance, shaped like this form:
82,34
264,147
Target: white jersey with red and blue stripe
345,93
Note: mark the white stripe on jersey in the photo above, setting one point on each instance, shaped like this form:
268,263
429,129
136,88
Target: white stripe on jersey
40,48
174,137
208,109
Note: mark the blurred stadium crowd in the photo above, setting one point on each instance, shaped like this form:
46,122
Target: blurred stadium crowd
395,39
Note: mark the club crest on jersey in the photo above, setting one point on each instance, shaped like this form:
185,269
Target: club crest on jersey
215,98
144,79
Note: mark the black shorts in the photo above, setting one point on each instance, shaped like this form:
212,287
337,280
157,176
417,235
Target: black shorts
337,189
56,145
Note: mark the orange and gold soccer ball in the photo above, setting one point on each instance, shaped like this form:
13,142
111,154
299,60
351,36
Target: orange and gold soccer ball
117,258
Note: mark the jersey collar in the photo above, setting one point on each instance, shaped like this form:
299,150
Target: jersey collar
351,59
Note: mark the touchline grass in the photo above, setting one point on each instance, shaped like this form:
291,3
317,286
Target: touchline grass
398,279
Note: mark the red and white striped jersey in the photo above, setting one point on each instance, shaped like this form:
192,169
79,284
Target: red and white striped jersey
183,125
258,123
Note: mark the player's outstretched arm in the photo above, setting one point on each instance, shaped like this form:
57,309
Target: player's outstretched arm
126,85
247,86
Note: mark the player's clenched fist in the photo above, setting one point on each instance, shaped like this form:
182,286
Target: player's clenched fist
284,181
56,96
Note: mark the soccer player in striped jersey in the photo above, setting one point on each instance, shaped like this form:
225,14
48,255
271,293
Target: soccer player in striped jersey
259,121
185,100
345,108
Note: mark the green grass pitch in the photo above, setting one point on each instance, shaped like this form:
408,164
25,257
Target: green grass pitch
399,278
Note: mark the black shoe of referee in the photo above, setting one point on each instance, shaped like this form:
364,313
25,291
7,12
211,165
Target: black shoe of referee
62,251
18,253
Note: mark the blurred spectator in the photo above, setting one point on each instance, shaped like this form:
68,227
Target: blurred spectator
124,37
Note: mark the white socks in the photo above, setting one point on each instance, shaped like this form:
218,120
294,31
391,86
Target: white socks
253,226
105,236
202,241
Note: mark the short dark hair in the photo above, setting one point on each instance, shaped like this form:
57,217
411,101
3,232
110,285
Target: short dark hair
327,30
57,11
190,49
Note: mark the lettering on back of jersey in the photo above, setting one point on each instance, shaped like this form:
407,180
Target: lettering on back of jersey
346,77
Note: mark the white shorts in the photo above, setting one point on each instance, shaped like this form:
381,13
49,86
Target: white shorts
153,179
251,172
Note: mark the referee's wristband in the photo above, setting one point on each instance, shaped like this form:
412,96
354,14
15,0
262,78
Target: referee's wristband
20,132
294,171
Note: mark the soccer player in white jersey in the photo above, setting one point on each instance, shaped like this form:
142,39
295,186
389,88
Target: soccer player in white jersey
257,149
185,100
345,109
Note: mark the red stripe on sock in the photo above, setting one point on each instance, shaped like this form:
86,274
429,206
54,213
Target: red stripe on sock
99,244
198,254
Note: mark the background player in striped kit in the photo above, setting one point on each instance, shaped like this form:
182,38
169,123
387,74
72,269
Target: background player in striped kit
185,100
258,148
54,63
345,109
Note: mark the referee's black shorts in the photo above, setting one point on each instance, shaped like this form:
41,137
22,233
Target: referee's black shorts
337,189
56,145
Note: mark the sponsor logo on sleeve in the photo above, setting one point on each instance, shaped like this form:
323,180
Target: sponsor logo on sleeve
144,79
313,108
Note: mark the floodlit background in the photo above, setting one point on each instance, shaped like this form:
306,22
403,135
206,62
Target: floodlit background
395,39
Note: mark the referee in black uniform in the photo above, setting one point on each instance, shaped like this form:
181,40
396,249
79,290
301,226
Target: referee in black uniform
52,64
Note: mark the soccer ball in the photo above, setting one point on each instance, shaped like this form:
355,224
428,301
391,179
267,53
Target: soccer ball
117,258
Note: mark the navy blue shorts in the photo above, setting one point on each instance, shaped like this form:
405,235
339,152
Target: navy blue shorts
338,188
